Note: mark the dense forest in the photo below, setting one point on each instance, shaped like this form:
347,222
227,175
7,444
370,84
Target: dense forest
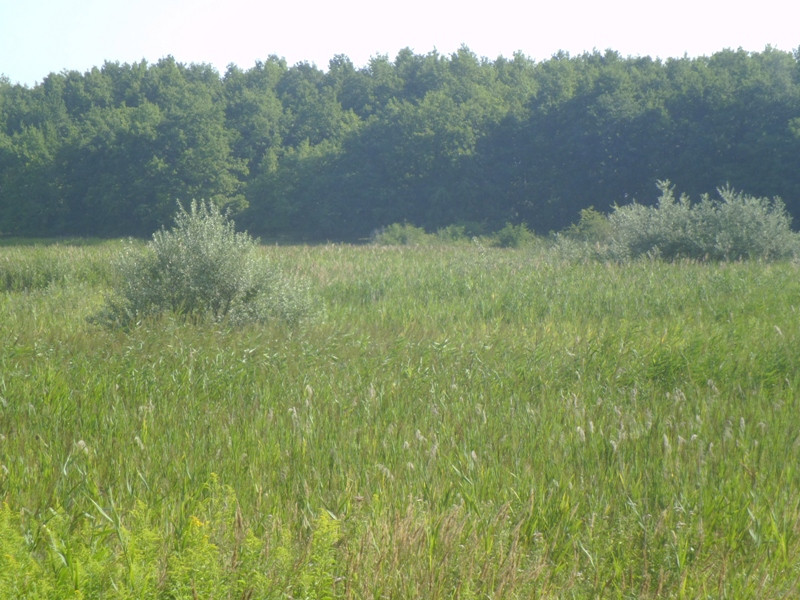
303,153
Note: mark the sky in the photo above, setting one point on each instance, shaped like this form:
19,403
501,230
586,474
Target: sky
38,37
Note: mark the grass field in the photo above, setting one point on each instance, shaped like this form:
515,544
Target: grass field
460,422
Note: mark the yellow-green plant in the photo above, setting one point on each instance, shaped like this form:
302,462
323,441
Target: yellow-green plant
21,576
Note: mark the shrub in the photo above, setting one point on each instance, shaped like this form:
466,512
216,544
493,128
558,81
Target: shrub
736,226
405,234
753,227
452,234
592,227
400,234
513,236
202,269
462,231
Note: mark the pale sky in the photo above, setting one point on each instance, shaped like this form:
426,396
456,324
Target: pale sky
38,37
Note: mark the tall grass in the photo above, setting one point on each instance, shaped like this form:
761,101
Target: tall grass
464,423
36,266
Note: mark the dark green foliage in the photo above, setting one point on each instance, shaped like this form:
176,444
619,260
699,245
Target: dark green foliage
302,153
108,152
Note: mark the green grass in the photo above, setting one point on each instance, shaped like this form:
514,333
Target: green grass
462,423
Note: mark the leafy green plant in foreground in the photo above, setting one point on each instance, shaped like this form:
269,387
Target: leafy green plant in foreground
202,269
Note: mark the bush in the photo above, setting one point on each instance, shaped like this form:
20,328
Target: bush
401,234
405,234
736,226
461,232
452,234
202,269
513,236
593,227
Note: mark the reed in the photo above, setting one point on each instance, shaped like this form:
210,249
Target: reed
463,422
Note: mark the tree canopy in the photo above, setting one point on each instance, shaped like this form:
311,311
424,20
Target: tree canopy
305,153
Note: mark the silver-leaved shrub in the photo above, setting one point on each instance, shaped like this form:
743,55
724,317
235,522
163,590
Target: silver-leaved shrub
735,226
202,270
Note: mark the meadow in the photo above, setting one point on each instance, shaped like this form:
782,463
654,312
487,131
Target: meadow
458,422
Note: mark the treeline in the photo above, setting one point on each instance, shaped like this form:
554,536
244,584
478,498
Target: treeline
432,140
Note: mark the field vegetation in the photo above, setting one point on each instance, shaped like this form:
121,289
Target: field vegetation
459,420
